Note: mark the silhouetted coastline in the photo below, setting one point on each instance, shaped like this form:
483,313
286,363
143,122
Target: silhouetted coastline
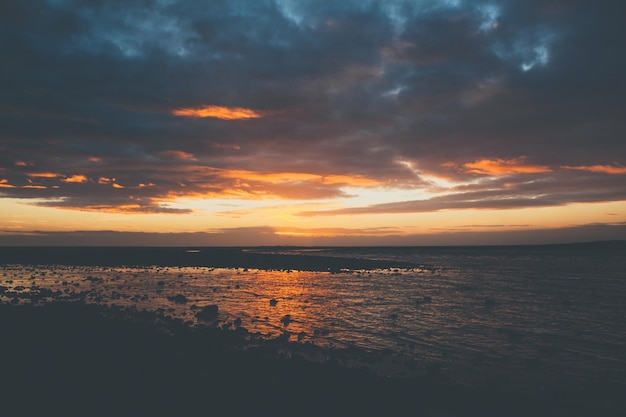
73,359
254,257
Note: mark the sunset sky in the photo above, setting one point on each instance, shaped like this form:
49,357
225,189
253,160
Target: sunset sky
353,122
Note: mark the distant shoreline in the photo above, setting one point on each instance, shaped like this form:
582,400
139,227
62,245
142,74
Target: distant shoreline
159,256
246,257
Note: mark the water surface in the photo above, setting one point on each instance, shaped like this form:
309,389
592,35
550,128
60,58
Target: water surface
541,315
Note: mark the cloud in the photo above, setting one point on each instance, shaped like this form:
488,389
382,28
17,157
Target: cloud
218,112
311,100
503,167
177,155
254,236
519,190
607,169
75,178
43,175
4,183
112,205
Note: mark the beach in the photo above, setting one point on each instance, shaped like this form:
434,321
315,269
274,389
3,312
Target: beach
73,359
69,350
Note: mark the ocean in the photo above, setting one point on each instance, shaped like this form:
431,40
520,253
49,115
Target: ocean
518,316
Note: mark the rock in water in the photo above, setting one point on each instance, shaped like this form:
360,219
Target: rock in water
208,312
178,299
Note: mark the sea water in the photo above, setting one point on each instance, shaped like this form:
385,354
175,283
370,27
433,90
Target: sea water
537,314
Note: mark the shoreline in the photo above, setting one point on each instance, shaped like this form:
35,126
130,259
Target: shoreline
180,256
93,341
71,358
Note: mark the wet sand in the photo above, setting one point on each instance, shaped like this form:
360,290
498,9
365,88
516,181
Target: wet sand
71,359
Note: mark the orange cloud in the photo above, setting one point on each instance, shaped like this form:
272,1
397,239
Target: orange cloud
111,181
75,178
284,177
504,167
43,175
354,181
178,155
99,208
218,112
4,183
606,169
205,181
94,159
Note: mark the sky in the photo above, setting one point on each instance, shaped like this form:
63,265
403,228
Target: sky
301,122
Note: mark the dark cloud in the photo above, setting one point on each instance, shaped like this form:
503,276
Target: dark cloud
345,88
508,192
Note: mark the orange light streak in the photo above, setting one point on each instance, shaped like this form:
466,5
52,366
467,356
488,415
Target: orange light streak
4,183
605,169
504,167
284,177
43,175
218,112
75,179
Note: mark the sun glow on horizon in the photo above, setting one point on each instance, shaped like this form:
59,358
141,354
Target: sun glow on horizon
282,220
301,206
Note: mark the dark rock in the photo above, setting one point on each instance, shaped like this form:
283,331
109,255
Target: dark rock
273,302
286,320
178,299
93,279
208,312
321,332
